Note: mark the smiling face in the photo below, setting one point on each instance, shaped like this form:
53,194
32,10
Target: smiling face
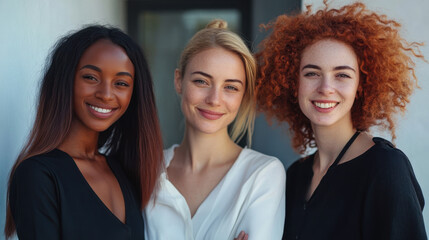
211,88
328,81
103,86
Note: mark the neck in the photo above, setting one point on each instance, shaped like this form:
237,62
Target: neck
80,142
199,150
330,141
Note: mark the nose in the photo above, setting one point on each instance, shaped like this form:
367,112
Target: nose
326,86
213,97
104,91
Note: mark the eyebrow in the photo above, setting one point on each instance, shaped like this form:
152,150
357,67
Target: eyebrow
210,76
344,67
203,73
95,68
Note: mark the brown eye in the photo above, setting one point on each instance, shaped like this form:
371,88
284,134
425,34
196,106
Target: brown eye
89,77
123,84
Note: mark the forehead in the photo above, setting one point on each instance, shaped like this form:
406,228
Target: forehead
104,49
108,57
215,58
329,52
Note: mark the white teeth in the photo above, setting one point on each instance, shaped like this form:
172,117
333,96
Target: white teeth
325,105
100,110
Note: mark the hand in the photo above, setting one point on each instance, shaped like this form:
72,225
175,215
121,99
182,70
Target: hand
242,236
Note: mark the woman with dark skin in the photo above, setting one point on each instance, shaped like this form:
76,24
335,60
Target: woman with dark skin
331,75
95,151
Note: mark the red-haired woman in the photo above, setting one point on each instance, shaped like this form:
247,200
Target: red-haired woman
95,151
331,75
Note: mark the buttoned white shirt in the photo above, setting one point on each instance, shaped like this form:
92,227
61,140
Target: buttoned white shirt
250,198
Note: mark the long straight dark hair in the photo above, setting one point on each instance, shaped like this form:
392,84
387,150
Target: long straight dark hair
134,140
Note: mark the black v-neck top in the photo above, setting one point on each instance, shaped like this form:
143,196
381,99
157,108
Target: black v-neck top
50,199
374,196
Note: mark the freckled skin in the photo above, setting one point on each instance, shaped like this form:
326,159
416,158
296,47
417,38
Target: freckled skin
329,73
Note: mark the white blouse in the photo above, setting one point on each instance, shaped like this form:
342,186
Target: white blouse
250,198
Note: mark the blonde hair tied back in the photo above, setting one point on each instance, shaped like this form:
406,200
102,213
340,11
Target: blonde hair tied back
217,23
215,35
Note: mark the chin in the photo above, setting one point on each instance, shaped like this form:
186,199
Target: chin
206,128
100,128
323,123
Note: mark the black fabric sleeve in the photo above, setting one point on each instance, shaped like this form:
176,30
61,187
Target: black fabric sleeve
394,201
34,202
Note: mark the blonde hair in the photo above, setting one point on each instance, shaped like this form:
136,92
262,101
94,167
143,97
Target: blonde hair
216,34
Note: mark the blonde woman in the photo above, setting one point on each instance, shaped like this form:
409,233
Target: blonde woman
211,187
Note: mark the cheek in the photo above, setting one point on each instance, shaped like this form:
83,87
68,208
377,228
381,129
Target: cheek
304,93
78,94
233,101
192,95
128,101
350,92
125,97
81,89
301,95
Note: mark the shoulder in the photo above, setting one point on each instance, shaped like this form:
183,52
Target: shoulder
169,153
38,175
259,159
261,163
260,174
46,168
391,170
43,162
301,164
386,159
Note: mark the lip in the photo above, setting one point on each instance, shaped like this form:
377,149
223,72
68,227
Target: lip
98,114
211,115
326,108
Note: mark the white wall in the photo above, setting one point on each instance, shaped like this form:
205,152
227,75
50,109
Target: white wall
28,30
412,130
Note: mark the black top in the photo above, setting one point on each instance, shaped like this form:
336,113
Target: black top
50,199
373,196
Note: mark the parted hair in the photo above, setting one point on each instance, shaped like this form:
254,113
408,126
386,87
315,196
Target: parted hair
215,35
386,66
134,139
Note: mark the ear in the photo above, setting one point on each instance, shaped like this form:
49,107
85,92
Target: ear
178,81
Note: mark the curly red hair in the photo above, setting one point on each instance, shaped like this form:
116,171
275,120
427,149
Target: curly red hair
387,76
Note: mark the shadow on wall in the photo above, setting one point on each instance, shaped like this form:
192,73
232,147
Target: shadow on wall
274,140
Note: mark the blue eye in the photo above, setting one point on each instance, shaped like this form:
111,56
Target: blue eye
342,75
311,74
233,88
199,82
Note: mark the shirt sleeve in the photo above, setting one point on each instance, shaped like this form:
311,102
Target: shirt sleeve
264,218
33,202
394,201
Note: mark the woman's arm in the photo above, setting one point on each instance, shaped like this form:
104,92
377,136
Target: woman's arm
264,218
33,202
